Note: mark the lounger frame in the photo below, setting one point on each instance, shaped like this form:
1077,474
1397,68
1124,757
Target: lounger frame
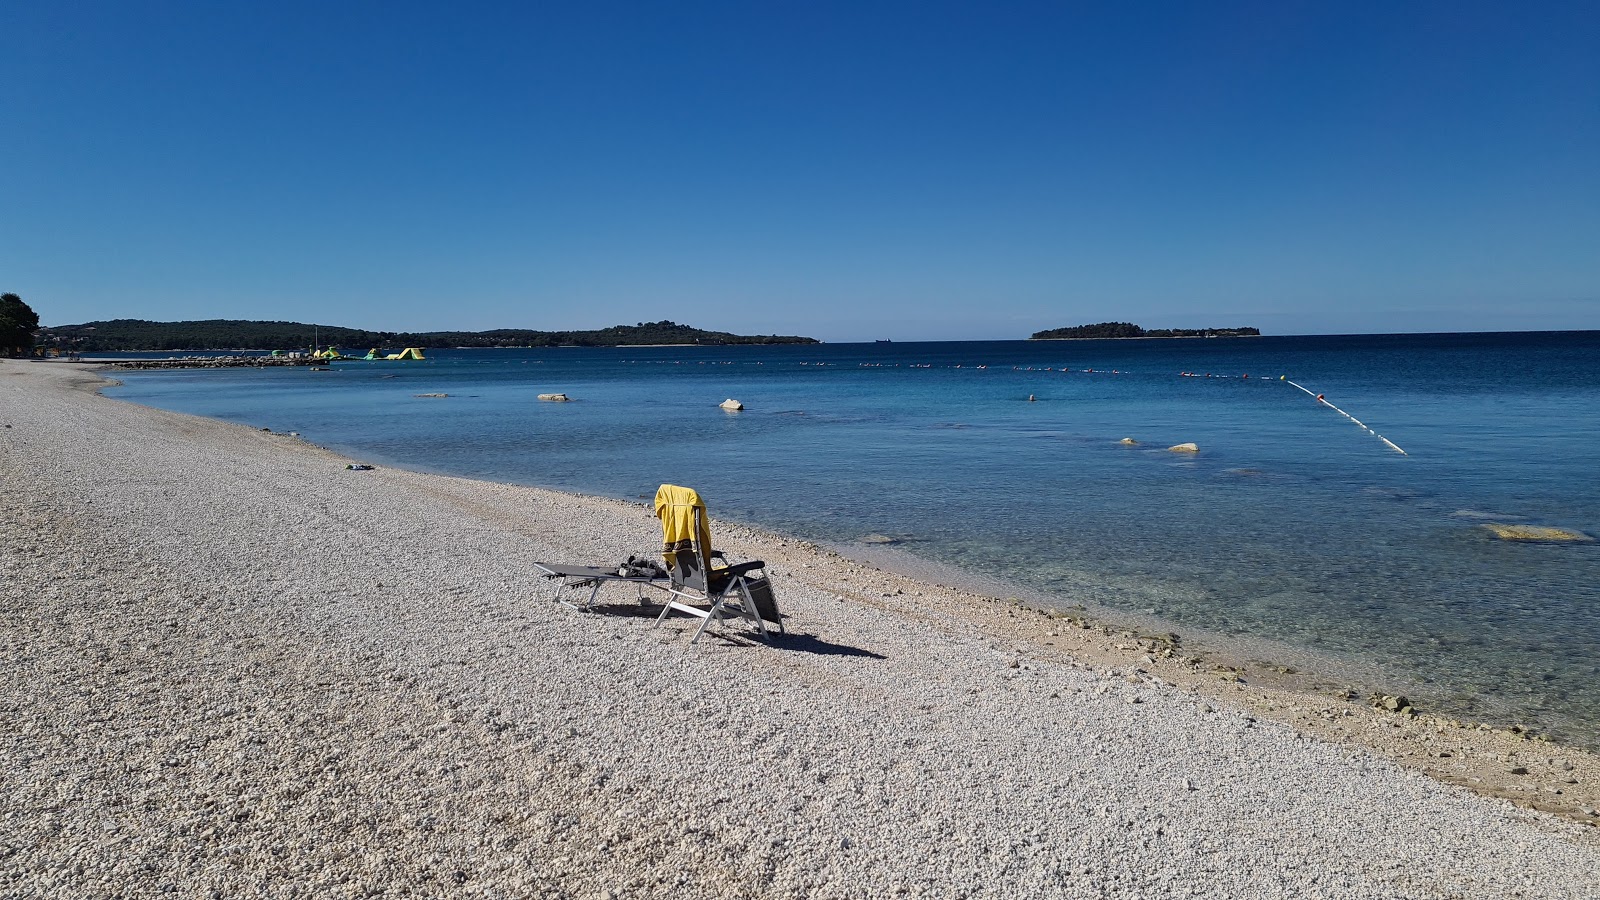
566,579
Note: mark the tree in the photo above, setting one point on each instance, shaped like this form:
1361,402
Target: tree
1100,330
18,322
234,334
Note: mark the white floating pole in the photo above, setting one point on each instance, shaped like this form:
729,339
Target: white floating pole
1323,400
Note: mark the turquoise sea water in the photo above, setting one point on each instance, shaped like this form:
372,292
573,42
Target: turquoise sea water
1292,525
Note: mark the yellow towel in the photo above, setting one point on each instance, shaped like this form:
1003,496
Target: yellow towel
675,508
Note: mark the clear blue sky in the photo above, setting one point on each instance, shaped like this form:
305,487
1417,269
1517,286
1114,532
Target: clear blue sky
848,171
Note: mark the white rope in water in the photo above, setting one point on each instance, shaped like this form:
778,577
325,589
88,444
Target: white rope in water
1324,402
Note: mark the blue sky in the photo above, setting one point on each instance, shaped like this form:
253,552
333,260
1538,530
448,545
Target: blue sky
848,171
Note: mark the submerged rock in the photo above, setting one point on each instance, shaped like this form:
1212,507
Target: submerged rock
1484,516
879,539
555,398
1190,447
1129,441
432,395
1536,533
731,403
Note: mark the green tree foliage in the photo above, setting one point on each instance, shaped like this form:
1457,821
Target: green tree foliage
1203,332
1102,330
18,322
1129,330
231,334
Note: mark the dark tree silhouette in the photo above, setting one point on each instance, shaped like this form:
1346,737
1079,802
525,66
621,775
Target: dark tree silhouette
18,322
231,334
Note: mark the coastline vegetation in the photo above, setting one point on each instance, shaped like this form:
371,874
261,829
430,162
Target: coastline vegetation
18,322
1129,330
233,334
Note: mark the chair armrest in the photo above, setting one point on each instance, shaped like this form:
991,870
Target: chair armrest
742,568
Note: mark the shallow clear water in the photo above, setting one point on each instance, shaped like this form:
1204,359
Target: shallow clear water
1291,524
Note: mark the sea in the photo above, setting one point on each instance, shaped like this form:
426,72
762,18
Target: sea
1346,535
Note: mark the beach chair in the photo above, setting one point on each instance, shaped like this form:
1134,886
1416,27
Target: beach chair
565,580
701,581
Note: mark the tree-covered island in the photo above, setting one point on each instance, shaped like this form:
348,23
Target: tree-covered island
119,335
1129,330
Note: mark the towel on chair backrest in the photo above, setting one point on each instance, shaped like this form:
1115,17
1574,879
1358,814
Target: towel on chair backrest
675,508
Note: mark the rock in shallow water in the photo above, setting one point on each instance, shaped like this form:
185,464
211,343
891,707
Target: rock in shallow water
1536,533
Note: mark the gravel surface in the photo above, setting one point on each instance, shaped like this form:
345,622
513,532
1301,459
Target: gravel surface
235,668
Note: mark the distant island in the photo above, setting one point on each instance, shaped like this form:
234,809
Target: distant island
120,335
1129,330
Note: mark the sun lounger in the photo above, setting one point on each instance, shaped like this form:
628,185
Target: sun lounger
567,579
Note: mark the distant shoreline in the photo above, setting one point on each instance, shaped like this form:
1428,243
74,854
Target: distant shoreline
1150,337
1099,330
118,335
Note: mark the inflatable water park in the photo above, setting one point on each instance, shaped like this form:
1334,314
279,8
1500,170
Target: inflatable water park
332,353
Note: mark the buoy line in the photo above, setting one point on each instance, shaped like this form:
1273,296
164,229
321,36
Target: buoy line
1065,370
1324,401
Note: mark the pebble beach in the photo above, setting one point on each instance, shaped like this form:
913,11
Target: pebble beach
236,668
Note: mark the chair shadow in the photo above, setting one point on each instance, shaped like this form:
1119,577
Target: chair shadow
810,643
800,643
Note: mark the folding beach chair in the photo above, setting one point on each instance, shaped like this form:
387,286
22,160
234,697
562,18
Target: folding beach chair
702,583
567,579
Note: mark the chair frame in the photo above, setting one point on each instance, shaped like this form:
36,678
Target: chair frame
566,579
694,582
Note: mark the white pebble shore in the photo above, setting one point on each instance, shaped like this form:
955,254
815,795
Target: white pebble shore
234,668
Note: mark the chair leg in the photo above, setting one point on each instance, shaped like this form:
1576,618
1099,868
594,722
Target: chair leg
714,613
559,587
750,611
665,608
719,612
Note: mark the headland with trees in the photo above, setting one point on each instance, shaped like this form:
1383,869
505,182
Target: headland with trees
1129,330
124,335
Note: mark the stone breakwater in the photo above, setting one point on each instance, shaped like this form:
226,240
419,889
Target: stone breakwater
215,362
236,668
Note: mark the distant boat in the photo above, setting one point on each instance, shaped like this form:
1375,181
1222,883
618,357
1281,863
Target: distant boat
885,341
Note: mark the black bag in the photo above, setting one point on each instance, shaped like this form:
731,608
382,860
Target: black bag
637,567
